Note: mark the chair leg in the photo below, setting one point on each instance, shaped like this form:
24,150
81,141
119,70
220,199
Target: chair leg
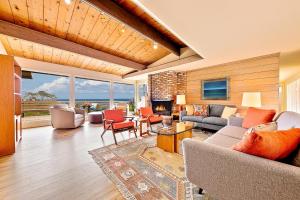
104,131
114,137
134,131
200,191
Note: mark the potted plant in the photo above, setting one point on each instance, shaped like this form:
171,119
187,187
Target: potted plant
131,105
87,106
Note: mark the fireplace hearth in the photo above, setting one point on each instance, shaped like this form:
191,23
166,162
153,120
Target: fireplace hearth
162,107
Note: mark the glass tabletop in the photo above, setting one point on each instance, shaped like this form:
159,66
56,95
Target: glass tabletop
175,128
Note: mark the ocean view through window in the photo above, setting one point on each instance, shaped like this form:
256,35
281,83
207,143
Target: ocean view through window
123,96
42,91
91,95
39,92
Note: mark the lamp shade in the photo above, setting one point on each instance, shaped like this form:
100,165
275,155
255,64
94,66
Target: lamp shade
251,99
180,99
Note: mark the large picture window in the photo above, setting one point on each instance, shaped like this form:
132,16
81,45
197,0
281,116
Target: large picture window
40,91
123,96
91,95
142,90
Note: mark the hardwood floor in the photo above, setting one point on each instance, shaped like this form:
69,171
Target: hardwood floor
55,164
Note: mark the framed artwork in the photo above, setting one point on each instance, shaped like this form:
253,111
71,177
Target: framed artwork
215,89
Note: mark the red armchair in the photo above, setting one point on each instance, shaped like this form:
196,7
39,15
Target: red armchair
115,121
147,112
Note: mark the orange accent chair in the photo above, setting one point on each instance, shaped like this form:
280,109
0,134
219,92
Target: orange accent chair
115,121
147,112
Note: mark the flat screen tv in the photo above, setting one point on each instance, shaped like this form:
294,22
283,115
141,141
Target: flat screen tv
216,89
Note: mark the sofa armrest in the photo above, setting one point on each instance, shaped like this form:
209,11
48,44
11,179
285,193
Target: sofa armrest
235,121
79,111
231,175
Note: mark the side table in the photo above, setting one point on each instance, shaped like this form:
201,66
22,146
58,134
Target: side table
143,126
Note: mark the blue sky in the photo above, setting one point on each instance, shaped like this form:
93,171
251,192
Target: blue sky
84,88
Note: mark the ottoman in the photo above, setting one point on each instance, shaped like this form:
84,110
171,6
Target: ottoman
95,117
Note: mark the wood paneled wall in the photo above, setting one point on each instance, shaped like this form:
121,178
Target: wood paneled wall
260,74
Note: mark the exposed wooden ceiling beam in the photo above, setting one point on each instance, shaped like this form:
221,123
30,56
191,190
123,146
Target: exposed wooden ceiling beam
24,33
122,15
174,63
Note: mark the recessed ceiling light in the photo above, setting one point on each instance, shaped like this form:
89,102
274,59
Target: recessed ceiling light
68,2
122,29
155,46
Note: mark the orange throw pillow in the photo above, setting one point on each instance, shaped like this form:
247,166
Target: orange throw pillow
273,145
257,116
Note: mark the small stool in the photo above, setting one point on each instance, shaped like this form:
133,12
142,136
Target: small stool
95,117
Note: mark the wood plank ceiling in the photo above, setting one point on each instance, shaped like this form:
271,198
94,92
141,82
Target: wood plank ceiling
81,23
26,49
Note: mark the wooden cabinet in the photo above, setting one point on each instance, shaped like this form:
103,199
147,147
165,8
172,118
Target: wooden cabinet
10,105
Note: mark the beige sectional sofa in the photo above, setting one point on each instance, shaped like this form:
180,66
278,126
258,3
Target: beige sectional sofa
226,174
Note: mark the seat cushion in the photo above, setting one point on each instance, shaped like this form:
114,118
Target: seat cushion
222,140
125,124
216,110
155,118
233,131
215,120
192,118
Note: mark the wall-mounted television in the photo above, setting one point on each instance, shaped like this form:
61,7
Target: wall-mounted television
215,89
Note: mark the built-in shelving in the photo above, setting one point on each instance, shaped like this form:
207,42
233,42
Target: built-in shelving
10,105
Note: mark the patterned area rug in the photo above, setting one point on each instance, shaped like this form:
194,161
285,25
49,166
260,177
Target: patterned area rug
140,170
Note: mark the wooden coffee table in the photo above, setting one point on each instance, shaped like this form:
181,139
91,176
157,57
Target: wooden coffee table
169,138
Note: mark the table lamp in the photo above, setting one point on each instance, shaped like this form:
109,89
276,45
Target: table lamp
180,100
251,99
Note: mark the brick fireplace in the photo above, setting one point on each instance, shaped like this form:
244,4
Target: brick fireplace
164,86
162,107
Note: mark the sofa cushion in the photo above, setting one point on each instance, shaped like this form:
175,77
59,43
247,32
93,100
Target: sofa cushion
193,118
287,120
273,145
233,131
215,120
216,110
256,116
222,140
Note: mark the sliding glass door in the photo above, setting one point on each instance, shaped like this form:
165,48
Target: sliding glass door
39,92
91,95
123,96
